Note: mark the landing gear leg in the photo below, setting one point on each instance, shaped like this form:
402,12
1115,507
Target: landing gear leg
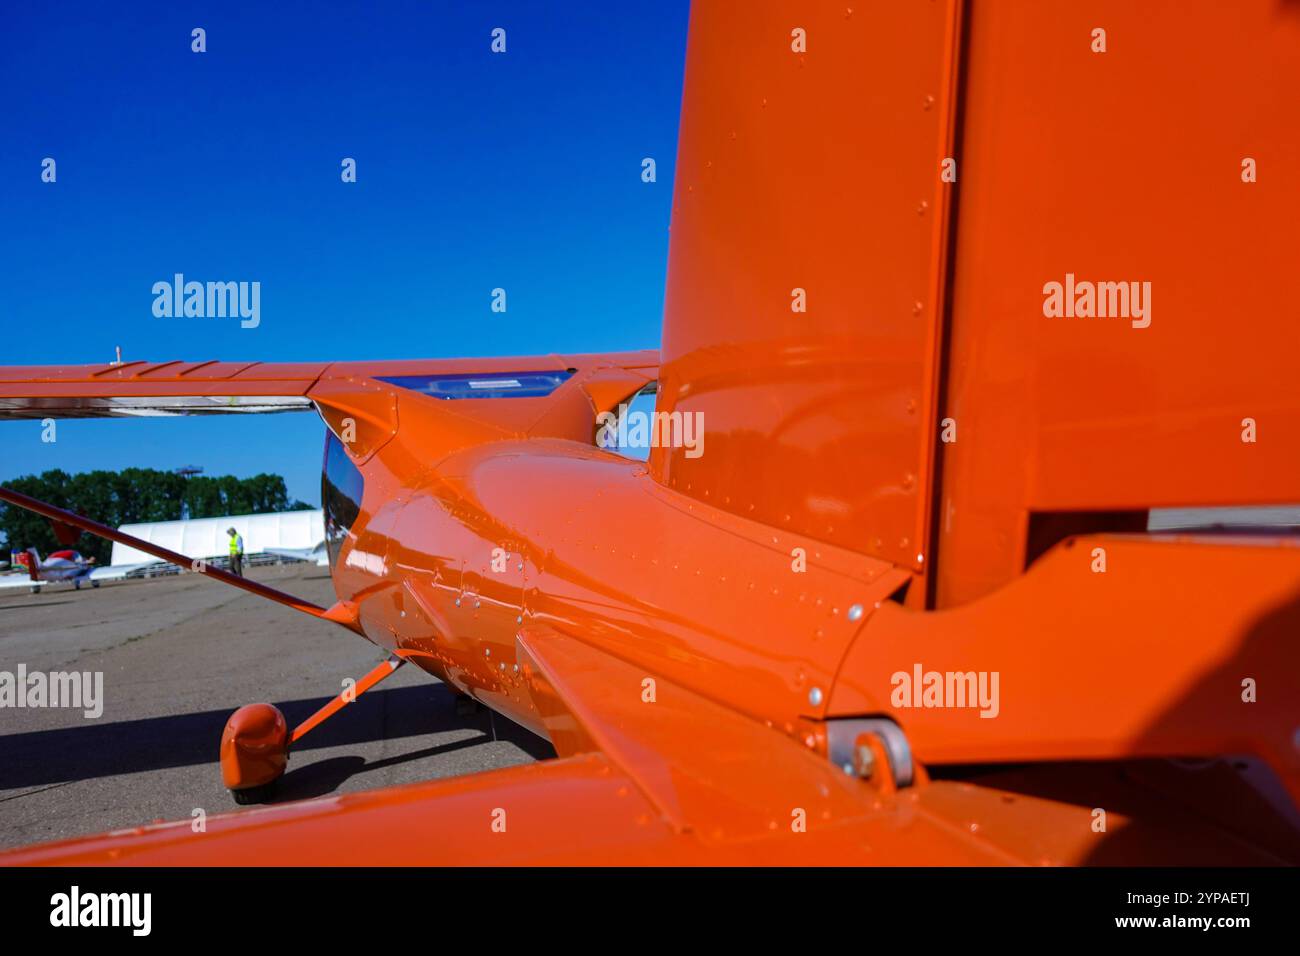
255,744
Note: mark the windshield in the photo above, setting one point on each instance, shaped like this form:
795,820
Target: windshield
341,489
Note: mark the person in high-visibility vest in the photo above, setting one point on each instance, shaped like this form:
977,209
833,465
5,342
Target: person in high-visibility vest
236,552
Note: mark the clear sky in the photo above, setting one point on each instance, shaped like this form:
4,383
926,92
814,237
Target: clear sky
475,171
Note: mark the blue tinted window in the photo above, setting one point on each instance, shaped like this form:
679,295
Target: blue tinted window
624,435
487,385
341,488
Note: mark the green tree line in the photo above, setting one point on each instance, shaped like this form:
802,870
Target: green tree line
123,497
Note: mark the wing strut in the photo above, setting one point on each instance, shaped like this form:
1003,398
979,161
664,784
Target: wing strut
342,613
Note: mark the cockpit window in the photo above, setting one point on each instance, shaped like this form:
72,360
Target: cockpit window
495,385
341,489
625,429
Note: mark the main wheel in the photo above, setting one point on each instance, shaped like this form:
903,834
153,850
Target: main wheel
254,752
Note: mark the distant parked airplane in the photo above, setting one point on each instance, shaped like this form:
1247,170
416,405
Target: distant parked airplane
317,555
61,567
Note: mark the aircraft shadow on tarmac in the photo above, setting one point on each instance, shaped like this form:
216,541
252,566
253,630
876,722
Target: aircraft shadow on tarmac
47,757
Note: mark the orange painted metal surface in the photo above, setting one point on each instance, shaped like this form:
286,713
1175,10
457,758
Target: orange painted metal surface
1149,658
254,747
711,698
816,172
1120,166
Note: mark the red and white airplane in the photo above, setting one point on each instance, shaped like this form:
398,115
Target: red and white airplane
62,567
59,567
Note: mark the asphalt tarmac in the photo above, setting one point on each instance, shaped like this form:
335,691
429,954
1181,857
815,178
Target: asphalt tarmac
178,655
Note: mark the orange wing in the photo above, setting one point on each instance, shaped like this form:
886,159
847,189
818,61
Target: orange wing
624,791
676,780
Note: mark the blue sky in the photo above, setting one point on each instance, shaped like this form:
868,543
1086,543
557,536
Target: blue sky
475,171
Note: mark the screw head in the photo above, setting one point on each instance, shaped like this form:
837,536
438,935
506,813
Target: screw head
815,696
855,612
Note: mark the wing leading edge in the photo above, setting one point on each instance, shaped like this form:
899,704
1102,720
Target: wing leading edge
135,389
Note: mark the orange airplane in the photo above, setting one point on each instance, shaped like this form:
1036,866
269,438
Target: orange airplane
883,590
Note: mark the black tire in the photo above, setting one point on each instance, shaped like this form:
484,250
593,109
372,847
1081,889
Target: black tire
94,584
252,795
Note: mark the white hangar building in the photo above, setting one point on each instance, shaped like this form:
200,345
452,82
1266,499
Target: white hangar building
285,531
